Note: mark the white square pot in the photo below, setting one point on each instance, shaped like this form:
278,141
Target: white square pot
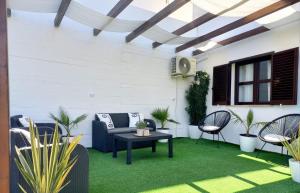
295,169
166,131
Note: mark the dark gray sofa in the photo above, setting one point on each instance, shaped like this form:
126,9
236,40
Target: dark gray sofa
78,176
102,137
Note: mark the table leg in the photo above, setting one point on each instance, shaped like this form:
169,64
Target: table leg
129,148
153,146
170,143
115,151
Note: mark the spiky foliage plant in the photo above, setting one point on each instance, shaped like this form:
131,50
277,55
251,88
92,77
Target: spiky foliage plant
141,125
65,121
45,167
293,146
162,116
248,123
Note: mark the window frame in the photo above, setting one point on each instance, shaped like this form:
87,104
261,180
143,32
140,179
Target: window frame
255,60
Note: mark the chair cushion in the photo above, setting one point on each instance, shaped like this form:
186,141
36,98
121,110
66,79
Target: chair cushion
25,134
210,128
122,130
134,118
275,138
105,117
25,121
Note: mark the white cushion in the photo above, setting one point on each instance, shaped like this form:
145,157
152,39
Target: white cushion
26,134
105,117
210,128
275,138
134,118
25,121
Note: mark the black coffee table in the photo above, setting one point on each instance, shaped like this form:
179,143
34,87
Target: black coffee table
130,138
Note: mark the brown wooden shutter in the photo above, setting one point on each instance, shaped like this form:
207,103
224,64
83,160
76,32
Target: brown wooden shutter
221,85
285,77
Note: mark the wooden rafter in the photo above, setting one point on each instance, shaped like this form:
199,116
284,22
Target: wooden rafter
61,12
245,20
176,4
199,21
237,38
114,12
4,102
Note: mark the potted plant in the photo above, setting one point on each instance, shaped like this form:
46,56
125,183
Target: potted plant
162,115
196,100
65,121
247,140
46,169
293,147
141,128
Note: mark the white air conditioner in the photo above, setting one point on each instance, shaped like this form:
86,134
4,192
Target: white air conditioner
182,66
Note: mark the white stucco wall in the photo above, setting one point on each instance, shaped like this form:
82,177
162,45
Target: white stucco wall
278,39
67,66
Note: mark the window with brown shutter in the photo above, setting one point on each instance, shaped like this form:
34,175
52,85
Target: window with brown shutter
221,85
285,77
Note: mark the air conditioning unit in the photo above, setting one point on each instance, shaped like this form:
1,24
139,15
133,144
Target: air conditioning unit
182,66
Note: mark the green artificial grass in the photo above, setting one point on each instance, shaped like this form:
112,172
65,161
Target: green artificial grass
195,168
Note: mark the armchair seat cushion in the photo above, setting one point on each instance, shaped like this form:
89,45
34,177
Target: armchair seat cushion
275,138
124,130
121,130
210,128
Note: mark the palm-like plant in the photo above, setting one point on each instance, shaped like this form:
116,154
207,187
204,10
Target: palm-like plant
65,121
162,115
293,146
248,123
45,167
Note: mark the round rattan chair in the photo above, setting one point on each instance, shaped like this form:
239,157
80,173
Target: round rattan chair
214,123
279,130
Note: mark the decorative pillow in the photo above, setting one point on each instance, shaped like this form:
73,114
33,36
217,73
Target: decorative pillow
134,118
26,134
105,117
25,121
210,128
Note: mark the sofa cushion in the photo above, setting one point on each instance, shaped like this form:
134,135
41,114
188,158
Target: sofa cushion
122,130
134,118
105,117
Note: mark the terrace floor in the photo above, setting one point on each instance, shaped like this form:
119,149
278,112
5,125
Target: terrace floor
195,168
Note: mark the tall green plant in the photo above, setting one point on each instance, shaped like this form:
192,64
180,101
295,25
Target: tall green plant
196,97
162,115
248,123
65,121
293,147
45,167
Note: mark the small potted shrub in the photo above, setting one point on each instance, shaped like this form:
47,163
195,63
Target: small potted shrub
141,128
162,116
196,100
293,147
247,140
65,122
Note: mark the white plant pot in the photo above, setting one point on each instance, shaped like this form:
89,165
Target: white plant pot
194,132
140,132
295,169
248,143
166,131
